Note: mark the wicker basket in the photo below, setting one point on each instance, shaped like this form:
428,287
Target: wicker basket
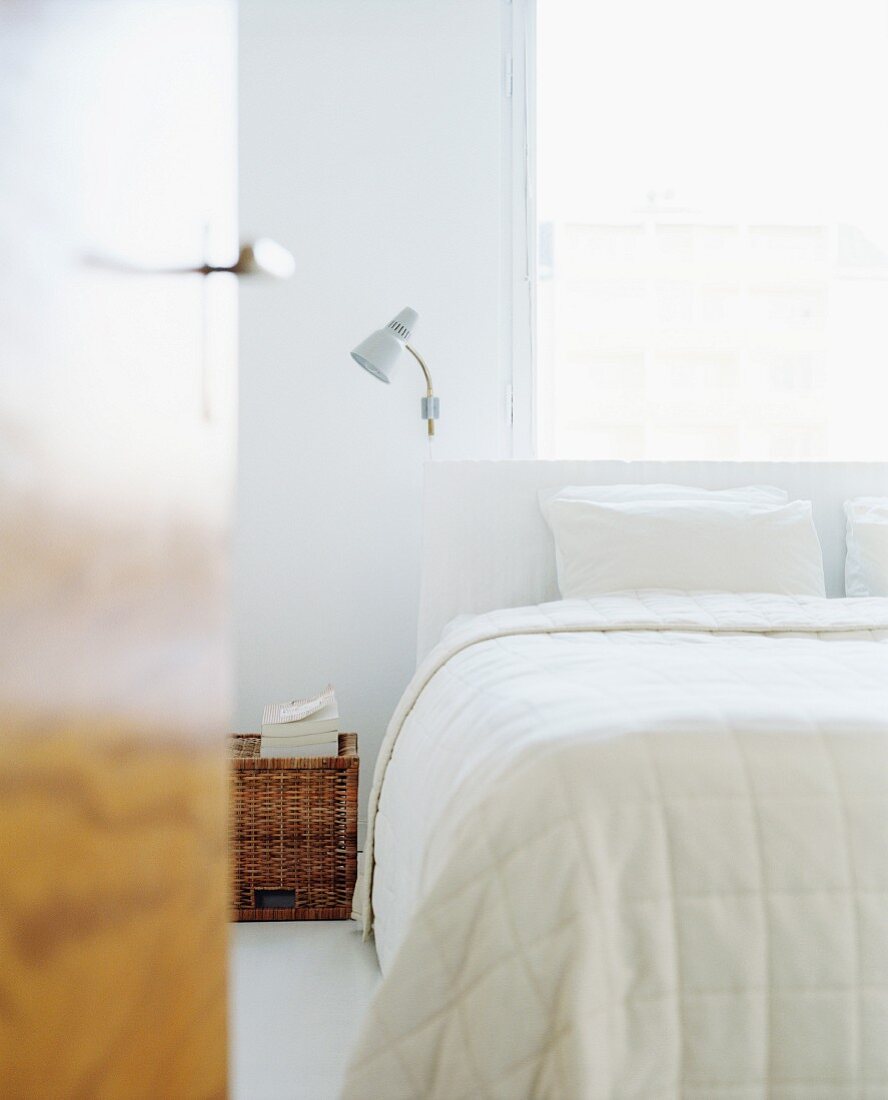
293,833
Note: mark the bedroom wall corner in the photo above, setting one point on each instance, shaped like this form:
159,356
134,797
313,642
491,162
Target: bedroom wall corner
344,107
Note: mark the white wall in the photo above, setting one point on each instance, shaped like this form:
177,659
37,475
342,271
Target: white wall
371,145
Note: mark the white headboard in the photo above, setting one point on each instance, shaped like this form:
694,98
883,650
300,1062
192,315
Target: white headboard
486,544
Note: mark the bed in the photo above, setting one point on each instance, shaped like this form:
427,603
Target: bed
634,845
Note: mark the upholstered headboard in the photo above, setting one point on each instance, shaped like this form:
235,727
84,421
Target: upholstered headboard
486,544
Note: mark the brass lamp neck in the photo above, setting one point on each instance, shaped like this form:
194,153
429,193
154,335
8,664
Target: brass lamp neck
430,403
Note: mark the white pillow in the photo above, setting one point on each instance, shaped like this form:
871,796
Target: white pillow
624,494
866,564
689,545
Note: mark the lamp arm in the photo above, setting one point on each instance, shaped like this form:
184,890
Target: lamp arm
430,404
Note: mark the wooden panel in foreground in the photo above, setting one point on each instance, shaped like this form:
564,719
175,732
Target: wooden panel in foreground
113,937
115,476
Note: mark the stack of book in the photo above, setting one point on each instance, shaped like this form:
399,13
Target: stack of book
302,727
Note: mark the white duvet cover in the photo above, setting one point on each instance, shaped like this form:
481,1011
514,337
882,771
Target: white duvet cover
636,847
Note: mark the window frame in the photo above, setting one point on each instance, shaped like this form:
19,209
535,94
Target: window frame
519,252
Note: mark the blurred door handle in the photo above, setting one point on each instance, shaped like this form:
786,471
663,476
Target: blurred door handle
260,257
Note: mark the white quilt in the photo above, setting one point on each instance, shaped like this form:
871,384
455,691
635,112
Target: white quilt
636,847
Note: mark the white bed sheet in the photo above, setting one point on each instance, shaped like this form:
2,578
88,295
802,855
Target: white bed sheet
634,846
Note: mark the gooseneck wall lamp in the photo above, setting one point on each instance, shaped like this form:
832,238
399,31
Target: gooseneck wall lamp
379,353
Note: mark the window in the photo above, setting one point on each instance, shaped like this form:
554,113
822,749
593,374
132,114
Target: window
712,207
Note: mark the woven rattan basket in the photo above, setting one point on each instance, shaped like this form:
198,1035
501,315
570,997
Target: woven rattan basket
293,833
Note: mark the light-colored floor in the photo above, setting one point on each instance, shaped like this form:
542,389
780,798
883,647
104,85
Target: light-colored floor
298,993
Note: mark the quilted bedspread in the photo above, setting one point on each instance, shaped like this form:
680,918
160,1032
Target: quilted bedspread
635,847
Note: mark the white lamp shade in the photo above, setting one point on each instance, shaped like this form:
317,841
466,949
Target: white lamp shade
379,352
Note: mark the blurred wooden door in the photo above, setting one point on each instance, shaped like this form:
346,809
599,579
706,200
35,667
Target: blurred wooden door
117,137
